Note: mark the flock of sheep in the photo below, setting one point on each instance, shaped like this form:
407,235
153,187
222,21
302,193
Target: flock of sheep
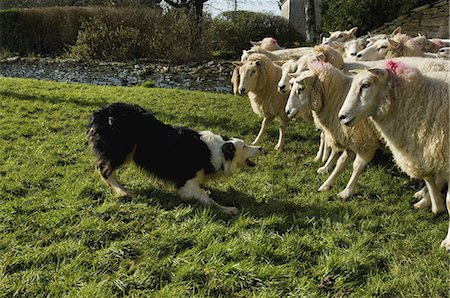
363,94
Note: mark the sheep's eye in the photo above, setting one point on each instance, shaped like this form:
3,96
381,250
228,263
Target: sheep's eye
340,36
382,48
301,88
365,85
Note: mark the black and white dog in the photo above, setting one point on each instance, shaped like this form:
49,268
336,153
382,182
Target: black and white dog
121,132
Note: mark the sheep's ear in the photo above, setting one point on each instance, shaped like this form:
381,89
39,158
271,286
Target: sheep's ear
237,63
279,62
396,31
393,43
378,72
228,150
320,57
330,32
255,43
369,34
352,31
336,44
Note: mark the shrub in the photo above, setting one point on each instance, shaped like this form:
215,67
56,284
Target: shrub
97,40
231,31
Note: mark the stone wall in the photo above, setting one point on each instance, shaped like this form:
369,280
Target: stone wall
431,20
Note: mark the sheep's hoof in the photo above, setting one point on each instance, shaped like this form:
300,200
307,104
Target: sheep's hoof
322,170
324,187
423,203
279,147
438,210
420,194
345,194
446,243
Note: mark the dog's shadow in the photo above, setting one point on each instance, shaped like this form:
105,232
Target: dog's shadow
248,205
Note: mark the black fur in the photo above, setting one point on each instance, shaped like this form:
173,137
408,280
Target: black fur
228,150
174,154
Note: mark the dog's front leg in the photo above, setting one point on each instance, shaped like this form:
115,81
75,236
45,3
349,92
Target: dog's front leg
191,189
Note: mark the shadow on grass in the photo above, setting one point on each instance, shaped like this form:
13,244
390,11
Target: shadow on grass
49,99
169,200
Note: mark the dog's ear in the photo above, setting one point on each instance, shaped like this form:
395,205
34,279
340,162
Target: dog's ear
228,150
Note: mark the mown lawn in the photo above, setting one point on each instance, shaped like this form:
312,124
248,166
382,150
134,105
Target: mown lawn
63,233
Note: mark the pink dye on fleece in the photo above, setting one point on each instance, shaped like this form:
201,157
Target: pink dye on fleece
273,41
396,68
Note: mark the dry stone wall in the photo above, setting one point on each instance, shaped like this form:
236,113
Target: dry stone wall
431,20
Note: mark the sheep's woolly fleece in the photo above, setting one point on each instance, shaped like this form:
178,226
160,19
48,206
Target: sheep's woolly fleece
402,72
319,68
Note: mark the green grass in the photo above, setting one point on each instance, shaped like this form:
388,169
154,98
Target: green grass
63,233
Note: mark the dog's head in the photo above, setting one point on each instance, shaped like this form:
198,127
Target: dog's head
237,154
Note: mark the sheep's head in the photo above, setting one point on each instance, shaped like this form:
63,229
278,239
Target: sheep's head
342,36
352,47
444,53
377,50
363,98
287,69
422,42
249,74
302,96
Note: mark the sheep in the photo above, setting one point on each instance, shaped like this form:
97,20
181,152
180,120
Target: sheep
276,55
424,64
400,45
267,43
352,47
323,52
444,53
411,112
428,45
341,36
235,79
323,89
372,38
258,78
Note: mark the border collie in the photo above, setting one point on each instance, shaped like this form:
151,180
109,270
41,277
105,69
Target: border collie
121,132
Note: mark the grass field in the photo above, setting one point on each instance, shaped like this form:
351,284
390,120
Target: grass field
63,233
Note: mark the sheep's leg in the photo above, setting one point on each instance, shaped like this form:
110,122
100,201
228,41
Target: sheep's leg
282,134
330,162
425,200
191,189
446,243
437,204
342,162
321,147
326,151
266,121
358,167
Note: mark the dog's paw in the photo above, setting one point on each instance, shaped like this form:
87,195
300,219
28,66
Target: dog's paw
230,211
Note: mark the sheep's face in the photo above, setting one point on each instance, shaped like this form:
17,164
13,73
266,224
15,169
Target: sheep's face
363,98
444,53
341,36
249,75
300,97
352,47
287,69
376,51
422,42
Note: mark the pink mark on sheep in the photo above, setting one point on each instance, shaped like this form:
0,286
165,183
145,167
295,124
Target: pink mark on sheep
273,41
396,68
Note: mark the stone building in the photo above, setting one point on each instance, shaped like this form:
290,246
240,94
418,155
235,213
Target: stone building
294,12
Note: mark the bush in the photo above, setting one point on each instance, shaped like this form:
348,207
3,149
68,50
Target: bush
231,31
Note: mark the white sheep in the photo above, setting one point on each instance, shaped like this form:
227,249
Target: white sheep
352,47
267,43
428,45
444,53
323,89
400,45
424,64
258,78
411,112
341,36
278,54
